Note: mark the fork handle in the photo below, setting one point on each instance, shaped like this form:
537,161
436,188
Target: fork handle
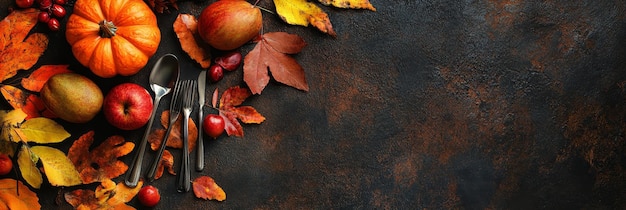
200,144
184,182
157,159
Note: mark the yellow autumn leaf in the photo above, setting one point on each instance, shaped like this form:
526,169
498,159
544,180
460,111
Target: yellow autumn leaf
43,130
349,4
9,120
303,13
28,168
58,168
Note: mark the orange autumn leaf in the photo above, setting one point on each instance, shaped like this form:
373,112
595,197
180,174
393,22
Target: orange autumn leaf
102,162
107,195
205,187
15,96
17,52
15,195
186,29
167,161
349,4
31,104
40,76
175,139
231,110
272,52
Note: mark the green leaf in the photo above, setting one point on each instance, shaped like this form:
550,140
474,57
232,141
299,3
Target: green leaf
58,168
27,163
43,130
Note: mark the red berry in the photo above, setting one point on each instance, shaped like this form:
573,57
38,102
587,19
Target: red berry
43,17
213,125
149,196
57,10
24,3
59,2
230,61
216,73
45,4
53,24
6,165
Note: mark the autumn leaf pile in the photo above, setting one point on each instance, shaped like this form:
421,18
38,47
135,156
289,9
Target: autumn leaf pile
29,130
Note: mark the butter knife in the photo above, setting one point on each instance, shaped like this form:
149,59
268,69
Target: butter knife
200,144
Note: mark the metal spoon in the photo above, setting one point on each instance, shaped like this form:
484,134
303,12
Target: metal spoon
164,74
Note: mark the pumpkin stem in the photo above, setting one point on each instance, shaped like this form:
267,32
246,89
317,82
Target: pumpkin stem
107,29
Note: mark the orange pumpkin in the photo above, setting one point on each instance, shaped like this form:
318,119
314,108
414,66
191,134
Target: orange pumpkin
113,37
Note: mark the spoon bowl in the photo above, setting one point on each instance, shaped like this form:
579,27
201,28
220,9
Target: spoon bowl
163,76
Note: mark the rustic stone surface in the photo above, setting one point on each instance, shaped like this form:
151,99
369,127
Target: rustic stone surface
424,104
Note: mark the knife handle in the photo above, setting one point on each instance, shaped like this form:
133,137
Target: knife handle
200,144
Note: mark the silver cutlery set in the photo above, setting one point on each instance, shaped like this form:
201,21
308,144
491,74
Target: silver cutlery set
164,79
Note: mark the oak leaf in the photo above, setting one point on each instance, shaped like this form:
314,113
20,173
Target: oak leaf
15,195
102,162
27,163
40,76
17,52
303,13
107,195
349,4
186,29
176,136
272,51
57,167
205,187
231,110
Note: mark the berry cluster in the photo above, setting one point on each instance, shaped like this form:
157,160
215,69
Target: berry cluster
228,62
51,11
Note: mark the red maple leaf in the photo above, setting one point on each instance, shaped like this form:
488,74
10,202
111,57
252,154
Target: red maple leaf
231,110
272,51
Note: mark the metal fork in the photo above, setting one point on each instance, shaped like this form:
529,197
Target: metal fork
184,182
175,107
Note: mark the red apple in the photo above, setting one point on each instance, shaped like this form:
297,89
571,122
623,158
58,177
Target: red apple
213,125
228,24
127,106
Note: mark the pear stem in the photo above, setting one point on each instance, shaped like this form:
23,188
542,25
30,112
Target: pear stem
265,9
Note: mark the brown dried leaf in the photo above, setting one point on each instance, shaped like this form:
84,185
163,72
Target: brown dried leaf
167,161
272,52
175,139
102,162
186,29
205,187
17,52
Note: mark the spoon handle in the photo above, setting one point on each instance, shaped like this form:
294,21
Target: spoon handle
134,172
155,163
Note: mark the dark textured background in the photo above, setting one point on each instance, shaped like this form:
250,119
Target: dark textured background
422,104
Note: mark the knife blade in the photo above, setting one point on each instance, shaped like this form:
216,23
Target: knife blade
200,145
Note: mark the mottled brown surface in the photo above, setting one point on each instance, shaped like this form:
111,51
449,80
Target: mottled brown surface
424,104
